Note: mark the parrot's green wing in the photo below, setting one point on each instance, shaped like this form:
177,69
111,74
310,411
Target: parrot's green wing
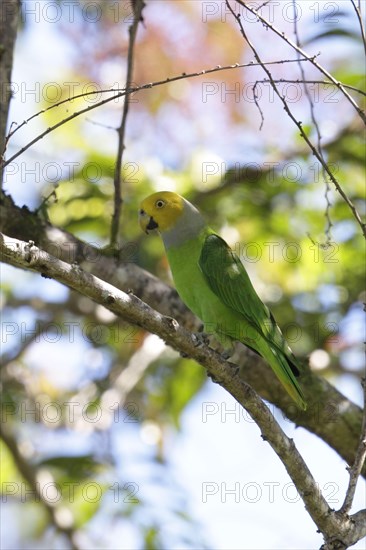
229,280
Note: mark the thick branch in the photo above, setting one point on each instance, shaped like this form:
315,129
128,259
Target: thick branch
129,307
330,414
9,18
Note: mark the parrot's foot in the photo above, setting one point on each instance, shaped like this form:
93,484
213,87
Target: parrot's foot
200,339
235,368
227,353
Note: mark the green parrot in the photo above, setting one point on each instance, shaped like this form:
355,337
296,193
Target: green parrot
213,283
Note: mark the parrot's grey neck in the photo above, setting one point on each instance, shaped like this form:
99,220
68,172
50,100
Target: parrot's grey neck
187,227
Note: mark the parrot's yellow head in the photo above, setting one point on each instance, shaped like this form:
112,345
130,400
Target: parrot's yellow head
161,211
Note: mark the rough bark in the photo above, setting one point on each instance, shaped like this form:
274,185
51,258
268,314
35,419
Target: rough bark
9,18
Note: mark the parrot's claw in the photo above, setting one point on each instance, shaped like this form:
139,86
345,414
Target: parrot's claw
235,367
227,353
200,339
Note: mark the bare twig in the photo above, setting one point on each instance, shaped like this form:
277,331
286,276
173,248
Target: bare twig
299,124
27,256
58,124
318,135
18,127
359,17
355,471
256,102
100,124
312,60
263,5
308,81
120,93
138,6
303,81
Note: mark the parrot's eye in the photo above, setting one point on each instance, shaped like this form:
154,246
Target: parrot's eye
160,203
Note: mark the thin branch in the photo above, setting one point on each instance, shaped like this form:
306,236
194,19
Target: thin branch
29,474
63,102
307,81
359,17
133,89
129,307
256,102
355,471
138,6
58,124
263,5
318,135
122,93
100,124
293,81
313,149
312,60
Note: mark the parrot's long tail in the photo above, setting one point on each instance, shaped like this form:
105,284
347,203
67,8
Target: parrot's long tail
286,371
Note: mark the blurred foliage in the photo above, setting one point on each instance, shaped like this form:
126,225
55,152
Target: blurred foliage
272,212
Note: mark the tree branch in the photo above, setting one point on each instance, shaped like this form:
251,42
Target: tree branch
297,123
129,307
330,414
121,93
318,135
9,19
359,17
312,60
138,6
355,471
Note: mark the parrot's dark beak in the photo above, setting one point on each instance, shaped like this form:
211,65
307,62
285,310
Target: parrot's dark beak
147,222
151,225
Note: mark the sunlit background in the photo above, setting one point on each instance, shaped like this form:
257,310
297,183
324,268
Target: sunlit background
145,451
